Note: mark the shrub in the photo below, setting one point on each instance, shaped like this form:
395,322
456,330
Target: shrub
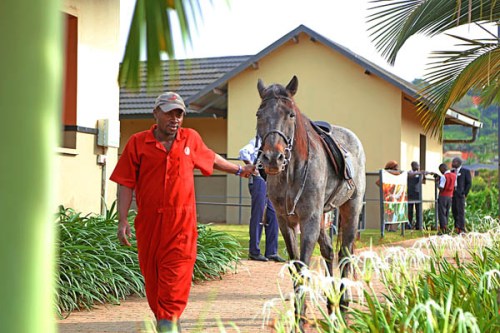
92,266
218,252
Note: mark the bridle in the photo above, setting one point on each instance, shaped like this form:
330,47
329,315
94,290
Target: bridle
287,153
288,140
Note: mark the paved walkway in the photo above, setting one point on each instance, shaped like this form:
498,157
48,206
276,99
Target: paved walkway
238,298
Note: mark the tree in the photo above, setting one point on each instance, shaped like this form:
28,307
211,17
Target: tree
30,93
475,67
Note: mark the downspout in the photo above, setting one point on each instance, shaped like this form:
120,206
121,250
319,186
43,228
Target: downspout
474,135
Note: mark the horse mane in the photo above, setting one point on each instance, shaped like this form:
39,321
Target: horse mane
303,130
300,140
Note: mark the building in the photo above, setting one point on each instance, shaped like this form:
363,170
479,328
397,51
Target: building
90,134
335,85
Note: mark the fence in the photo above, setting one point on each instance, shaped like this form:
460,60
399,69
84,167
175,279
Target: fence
238,203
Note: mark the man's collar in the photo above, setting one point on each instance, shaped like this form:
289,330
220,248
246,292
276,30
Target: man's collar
150,137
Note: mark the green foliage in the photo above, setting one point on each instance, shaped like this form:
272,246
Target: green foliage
485,201
94,268
445,291
429,218
447,297
218,252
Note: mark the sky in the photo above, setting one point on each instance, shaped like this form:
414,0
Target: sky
245,27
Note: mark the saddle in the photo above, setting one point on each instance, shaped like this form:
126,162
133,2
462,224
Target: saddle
339,156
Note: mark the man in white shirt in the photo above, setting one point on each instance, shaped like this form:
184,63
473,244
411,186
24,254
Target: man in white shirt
263,215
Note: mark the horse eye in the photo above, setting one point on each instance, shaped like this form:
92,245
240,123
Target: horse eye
292,115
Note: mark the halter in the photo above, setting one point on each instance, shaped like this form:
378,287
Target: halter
287,153
288,140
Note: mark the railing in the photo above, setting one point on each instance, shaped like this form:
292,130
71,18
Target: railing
371,196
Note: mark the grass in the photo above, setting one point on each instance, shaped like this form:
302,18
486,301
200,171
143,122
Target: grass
368,237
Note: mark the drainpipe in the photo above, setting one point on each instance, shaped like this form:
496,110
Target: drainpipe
474,135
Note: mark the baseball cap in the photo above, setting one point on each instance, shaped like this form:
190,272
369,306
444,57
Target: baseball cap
170,101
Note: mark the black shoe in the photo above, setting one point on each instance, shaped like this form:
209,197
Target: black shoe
276,258
168,326
258,257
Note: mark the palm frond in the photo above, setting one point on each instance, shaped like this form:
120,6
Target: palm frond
393,22
151,31
454,74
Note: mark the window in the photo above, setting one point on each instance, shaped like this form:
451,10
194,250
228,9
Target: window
69,119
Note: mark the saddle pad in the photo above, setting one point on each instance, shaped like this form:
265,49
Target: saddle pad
339,156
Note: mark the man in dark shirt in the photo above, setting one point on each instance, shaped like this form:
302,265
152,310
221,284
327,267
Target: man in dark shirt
414,188
462,188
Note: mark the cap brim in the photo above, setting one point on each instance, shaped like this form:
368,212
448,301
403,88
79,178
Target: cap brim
169,107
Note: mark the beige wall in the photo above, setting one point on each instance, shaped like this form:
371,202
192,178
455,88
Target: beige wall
81,177
97,98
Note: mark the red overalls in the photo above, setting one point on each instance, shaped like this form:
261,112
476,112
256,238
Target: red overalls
166,213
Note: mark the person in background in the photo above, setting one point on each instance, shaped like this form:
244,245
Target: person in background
263,215
392,167
158,164
446,188
415,178
462,188
414,188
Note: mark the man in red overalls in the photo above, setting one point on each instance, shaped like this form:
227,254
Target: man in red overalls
158,164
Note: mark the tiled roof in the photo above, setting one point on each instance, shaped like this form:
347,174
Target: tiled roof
193,75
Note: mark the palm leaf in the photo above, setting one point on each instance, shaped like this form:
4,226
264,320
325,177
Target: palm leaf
455,73
393,22
151,30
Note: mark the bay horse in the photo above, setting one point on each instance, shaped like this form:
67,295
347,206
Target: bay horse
303,183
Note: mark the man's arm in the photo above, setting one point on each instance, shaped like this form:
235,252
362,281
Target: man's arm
124,200
468,181
222,164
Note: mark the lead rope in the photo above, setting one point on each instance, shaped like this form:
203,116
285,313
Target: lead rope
299,193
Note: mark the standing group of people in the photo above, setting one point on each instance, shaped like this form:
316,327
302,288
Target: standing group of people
454,186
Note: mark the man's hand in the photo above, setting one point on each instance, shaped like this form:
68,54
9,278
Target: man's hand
124,232
247,170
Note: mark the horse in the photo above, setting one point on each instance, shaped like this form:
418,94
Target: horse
303,183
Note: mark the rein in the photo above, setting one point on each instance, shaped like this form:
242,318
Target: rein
288,156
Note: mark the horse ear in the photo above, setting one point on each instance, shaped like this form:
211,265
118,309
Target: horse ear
293,85
261,88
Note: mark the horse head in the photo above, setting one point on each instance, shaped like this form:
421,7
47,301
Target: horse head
276,124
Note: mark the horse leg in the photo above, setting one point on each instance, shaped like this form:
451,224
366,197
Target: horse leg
290,238
326,248
349,217
289,234
309,233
